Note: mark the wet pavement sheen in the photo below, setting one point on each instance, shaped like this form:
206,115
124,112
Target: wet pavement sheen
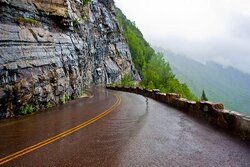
140,132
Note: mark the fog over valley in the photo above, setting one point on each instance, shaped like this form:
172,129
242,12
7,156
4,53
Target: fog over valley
204,30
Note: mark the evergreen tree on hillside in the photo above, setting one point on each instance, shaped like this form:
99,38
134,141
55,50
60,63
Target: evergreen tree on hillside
203,96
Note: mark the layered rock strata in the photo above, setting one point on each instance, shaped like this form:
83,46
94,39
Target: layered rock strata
51,49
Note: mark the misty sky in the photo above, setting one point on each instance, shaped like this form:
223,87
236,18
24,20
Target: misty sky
217,30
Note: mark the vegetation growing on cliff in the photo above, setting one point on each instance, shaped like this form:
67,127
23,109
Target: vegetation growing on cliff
30,21
63,99
26,109
85,2
76,22
154,70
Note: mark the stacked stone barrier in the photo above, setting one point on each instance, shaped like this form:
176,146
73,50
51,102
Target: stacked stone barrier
212,112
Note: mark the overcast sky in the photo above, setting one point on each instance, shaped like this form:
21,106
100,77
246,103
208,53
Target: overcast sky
204,30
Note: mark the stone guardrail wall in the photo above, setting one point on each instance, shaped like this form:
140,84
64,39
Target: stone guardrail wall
214,113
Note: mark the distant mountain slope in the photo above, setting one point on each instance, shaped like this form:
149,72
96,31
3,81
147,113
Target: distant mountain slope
227,85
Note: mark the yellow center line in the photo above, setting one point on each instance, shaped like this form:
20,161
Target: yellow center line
60,135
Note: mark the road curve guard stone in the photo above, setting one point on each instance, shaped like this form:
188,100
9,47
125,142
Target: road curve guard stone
212,112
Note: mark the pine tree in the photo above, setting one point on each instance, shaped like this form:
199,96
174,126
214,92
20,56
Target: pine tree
203,96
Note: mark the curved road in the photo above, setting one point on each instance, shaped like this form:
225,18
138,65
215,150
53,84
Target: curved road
117,129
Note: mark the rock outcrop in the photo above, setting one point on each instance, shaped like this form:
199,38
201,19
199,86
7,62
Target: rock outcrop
50,49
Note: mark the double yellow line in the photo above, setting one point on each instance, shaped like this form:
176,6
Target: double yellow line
59,136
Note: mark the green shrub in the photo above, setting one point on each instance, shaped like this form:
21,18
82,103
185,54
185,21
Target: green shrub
151,85
127,81
73,97
82,92
49,105
85,2
113,84
26,109
63,99
21,20
76,22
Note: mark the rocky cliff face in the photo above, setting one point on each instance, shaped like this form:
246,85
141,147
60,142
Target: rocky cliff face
51,49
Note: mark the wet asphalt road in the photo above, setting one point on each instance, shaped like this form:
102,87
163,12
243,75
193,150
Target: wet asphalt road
140,132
